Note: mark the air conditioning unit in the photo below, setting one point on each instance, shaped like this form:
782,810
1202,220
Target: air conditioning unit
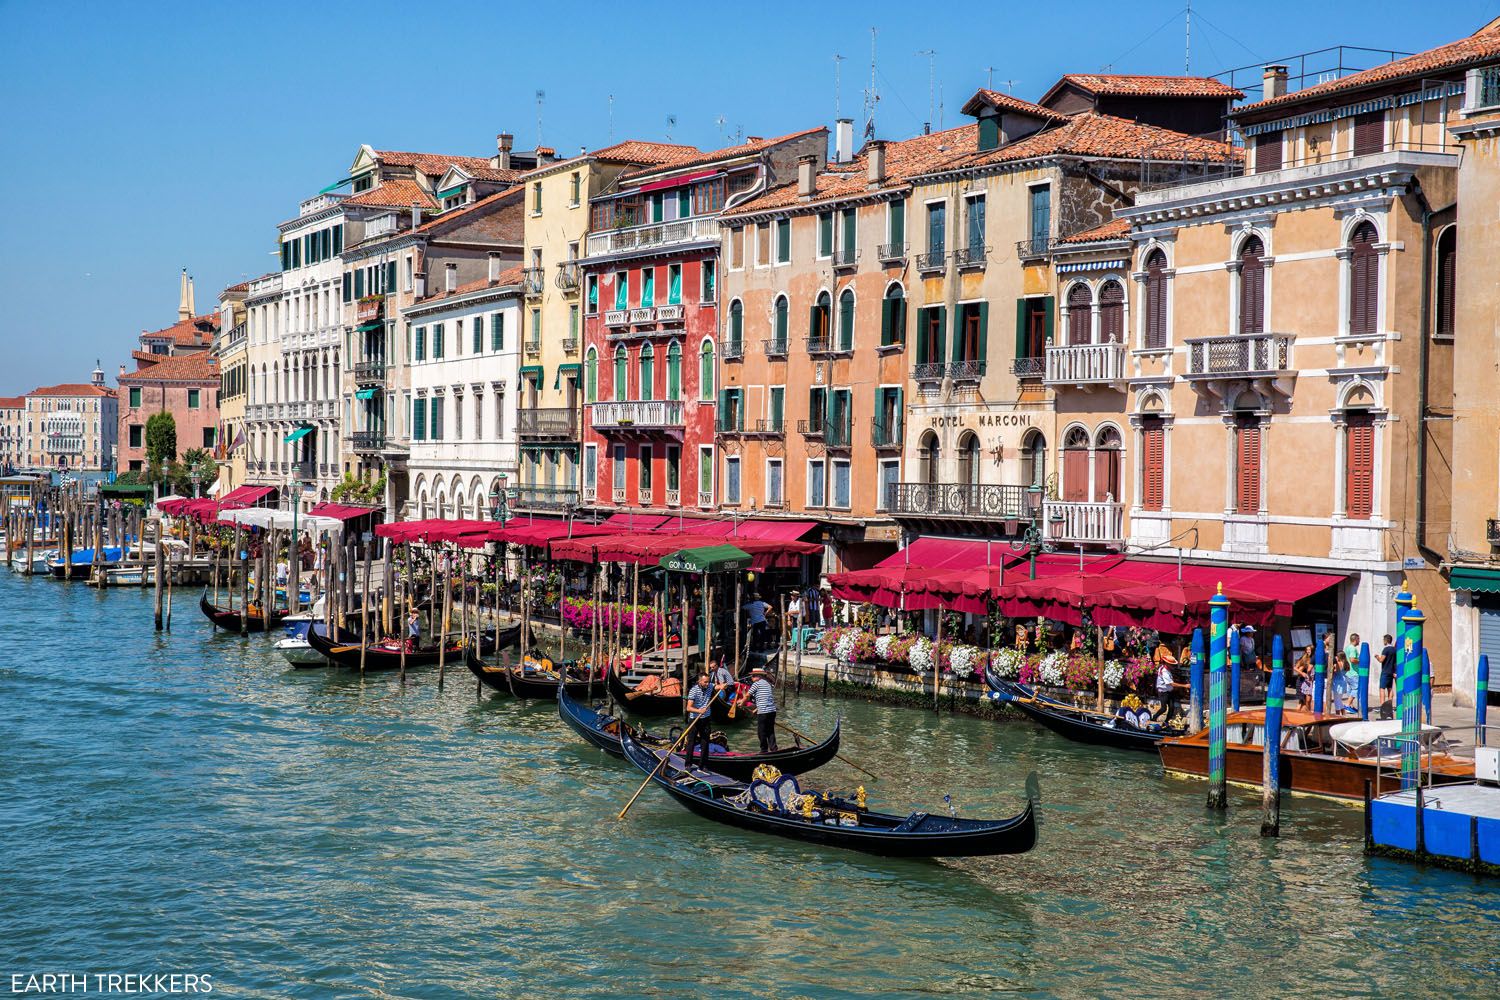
1487,765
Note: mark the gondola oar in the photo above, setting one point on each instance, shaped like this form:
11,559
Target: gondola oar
846,760
660,764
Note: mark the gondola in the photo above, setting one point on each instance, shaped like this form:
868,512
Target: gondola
780,807
379,656
229,619
603,731
1080,725
508,680
656,705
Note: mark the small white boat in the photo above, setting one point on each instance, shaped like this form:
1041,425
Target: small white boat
299,653
40,563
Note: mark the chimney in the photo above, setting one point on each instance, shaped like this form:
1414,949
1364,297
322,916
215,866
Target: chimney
416,215
122,371
843,140
494,268
875,155
450,277
806,170
1273,83
503,143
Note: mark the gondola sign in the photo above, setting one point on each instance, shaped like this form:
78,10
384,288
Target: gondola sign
706,559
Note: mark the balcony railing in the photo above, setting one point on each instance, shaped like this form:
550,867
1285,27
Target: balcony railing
929,371
657,234
1085,364
617,494
1034,249
705,498
1492,530
569,345
845,257
1243,354
644,497
367,441
734,350
971,257
616,317
773,426
1085,521
369,372
775,347
834,433
729,423
567,276
1029,368
674,498
547,422
1483,88
590,494
556,498
644,414
819,345
533,348
532,280
892,251
642,314
933,260
669,313
811,428
966,371
959,500
886,433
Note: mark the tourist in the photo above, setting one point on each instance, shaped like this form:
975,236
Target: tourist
1352,649
700,699
794,614
1388,658
761,695
813,606
827,598
1340,687
1303,671
1167,685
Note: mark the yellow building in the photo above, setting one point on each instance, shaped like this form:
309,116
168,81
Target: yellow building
229,349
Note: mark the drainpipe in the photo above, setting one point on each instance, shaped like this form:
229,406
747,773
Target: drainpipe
1425,332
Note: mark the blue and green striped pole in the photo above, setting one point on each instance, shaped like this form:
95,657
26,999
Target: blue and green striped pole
1218,790
1410,699
1234,669
1320,675
1364,680
1426,686
1404,602
1270,824
1481,695
1195,684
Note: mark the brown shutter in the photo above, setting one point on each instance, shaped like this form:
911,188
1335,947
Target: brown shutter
1369,133
1247,483
1156,300
1268,152
1153,470
1446,281
1112,313
1106,474
1364,280
1252,287
1080,318
1359,462
1075,474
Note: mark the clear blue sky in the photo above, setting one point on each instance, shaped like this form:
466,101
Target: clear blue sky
140,138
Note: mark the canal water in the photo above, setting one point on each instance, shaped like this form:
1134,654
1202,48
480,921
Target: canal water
187,803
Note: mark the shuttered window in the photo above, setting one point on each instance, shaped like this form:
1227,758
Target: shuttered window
1112,313
1080,314
1075,466
846,320
893,317
1268,152
1359,462
1253,286
497,331
1106,475
1156,300
1364,280
1447,264
1369,133
1247,465
1153,464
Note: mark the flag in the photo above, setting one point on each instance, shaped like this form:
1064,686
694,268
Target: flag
239,440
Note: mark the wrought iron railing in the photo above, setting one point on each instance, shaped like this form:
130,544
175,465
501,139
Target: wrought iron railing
775,347
845,257
734,350
1031,249
1492,531
770,425
892,251
1029,368
929,371
729,423
366,441
532,280
567,275
886,432
819,344
547,422
811,428
1243,354
971,256
966,371
366,372
959,500
935,259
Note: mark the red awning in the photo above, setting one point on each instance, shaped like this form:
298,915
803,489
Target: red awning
676,181
783,530
544,531
246,495
340,511
948,553
628,521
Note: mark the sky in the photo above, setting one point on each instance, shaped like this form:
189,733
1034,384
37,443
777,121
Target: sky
141,138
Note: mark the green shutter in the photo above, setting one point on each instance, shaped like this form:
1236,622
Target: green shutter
825,234
390,276
984,330
942,327
885,322
1047,311
846,322
359,283
812,320
958,334
849,231
922,358
783,240
898,224
1020,328
497,331
419,419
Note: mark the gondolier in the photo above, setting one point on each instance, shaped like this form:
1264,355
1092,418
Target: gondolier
699,700
764,698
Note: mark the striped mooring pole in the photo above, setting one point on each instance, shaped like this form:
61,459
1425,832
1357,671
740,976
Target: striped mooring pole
1364,680
1270,824
1234,669
1195,684
1481,693
1218,791
1404,601
1320,675
1410,699
1426,686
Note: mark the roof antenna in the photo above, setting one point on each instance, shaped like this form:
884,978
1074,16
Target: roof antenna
611,118
1010,86
931,90
1187,43
719,121
872,97
541,95
838,67
671,124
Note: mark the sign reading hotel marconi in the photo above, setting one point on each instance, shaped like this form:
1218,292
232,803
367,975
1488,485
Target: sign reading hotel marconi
367,310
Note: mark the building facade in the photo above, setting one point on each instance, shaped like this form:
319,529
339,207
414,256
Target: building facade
187,387
13,441
72,427
234,370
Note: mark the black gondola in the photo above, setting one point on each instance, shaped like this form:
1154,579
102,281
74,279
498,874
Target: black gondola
378,656
603,731
776,808
229,619
509,680
657,705
1077,724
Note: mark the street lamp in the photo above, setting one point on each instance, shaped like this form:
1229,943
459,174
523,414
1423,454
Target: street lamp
499,508
194,478
1033,539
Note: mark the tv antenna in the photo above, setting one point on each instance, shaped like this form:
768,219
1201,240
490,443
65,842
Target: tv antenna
1187,40
719,121
671,124
611,117
931,85
872,96
838,82
541,95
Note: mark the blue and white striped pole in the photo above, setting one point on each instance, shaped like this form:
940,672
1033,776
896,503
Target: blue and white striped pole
1218,790
1364,680
1410,699
1234,669
1195,684
1481,695
1270,824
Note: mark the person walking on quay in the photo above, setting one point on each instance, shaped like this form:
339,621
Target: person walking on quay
699,700
755,619
765,708
1341,677
1388,657
1303,671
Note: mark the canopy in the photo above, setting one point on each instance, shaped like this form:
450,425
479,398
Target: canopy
297,435
368,393
1178,606
283,520
340,511
542,532
782,530
706,559
247,495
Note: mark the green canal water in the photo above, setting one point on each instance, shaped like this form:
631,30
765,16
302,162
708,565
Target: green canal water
187,803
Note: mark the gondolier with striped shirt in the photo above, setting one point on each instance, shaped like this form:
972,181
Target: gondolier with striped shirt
765,708
700,699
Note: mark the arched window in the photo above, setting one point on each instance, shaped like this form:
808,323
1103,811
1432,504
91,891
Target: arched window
1075,465
736,343
780,332
1252,286
674,370
1156,301
1364,279
591,376
706,370
648,372
846,320
968,459
1034,460
1108,448
622,366
893,317
819,322
1112,313
930,455
1080,314
1447,279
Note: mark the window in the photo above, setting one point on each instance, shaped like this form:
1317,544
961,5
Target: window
136,435
591,376
975,206
732,410
1108,448
776,407
437,341
499,414
930,323
783,241
1268,152
1359,465
846,320
435,418
619,467
674,284
817,481
840,496
780,330
409,278
817,408
762,244
775,489
969,332
1447,265
1155,325
736,248
1034,460
194,398
656,203
674,370
1041,216
497,331
732,479
476,327
648,286
590,465
648,372
736,327
836,430
420,353
1080,314
575,189
1075,465
1111,313
1247,464
709,196
707,275
458,418
644,470
622,362
705,475
1153,464
622,290
825,234
674,467
820,319
1252,286
848,235
1364,280
893,317
706,371
536,328
968,459
684,204
135,396
536,198
937,227
591,294
419,419
887,427
895,227
573,323
1369,133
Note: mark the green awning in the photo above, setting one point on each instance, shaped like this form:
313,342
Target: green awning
1472,578
532,371
562,370
365,393
335,186
446,192
297,435
374,324
706,559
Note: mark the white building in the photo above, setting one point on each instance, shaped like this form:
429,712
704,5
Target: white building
465,362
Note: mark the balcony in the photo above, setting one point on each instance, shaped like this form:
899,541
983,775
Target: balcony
775,348
669,313
705,499
1492,531
965,372
820,345
960,500
892,252
1029,369
1218,363
657,234
845,257
617,495
929,371
674,498
556,422
616,318
812,428
590,494
770,426
734,350
367,442
532,281
971,258
548,498
1085,365
886,432
833,433
637,414
643,497
567,276
1084,522
933,260
569,345
642,315
532,348
729,423
369,372
1037,248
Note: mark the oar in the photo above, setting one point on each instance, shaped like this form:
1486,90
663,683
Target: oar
846,760
660,764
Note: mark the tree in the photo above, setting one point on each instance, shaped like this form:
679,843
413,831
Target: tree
161,438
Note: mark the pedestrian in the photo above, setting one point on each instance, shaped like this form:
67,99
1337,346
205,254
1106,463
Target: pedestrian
1388,657
700,699
812,606
764,699
1352,649
827,597
794,617
1167,684
1303,671
1340,684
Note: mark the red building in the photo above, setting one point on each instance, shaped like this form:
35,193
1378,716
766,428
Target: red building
651,323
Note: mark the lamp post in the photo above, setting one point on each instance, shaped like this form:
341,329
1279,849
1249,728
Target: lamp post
1033,539
499,508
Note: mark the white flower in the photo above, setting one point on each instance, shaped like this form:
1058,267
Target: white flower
1114,673
844,648
921,657
963,660
883,645
1050,670
1007,662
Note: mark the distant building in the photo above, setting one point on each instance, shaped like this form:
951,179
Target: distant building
71,427
229,349
12,432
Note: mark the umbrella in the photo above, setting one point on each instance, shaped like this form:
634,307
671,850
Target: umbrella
706,559
1062,598
1177,606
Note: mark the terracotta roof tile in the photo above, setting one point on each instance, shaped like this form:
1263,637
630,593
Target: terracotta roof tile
752,145
197,367
1127,85
1114,229
193,332
431,164
1005,102
640,151
1481,46
489,173
72,389
488,201
509,276
12,402
398,193
1092,134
